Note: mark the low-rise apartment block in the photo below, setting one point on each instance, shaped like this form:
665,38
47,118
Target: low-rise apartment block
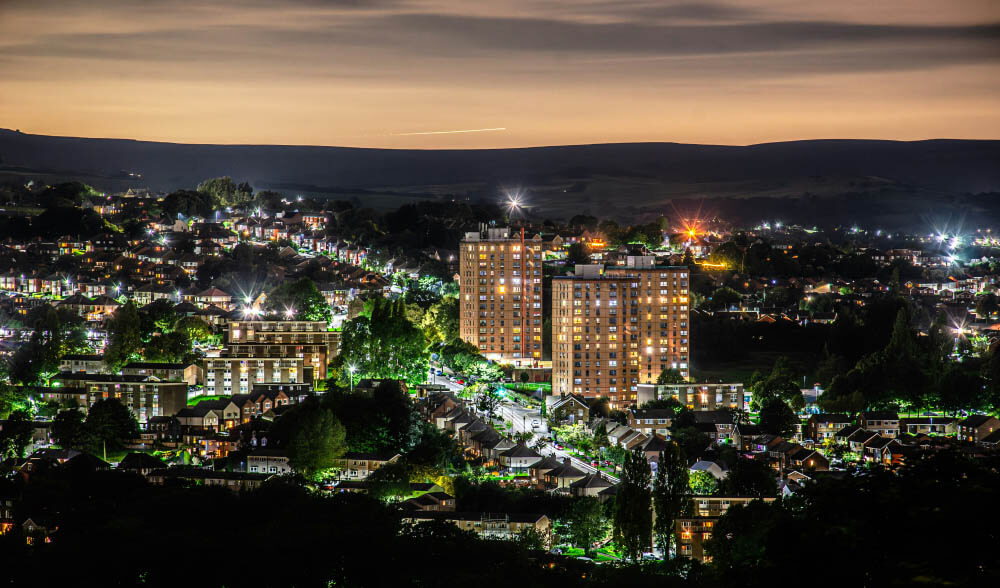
145,396
225,376
692,531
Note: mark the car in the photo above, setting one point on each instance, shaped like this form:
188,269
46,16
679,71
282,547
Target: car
460,381
595,463
535,423
560,446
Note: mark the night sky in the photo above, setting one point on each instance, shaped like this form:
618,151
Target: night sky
384,73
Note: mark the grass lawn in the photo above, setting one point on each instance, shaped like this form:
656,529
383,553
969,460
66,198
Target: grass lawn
197,399
530,386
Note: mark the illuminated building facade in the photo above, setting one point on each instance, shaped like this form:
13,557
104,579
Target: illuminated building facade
501,295
615,327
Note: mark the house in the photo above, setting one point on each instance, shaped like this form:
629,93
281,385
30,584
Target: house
519,458
883,422
860,439
841,436
929,425
977,427
590,485
563,475
823,426
142,463
809,460
489,525
489,444
541,468
571,408
234,481
651,421
718,471
431,502
719,425
652,446
268,461
355,465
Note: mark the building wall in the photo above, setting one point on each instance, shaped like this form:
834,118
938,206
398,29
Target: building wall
144,399
225,376
501,296
617,329
705,396
283,332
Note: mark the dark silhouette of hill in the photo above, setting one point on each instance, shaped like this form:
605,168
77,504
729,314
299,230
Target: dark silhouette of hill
946,165
896,183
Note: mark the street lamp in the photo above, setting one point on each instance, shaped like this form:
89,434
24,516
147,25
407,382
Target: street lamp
352,369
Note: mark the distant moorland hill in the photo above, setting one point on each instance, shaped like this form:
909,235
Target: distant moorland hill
896,181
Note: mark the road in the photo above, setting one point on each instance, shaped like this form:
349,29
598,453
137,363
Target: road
521,419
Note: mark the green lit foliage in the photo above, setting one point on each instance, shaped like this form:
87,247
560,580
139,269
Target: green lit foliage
702,483
124,337
670,376
317,441
586,524
15,437
383,344
300,299
633,520
225,192
670,486
780,383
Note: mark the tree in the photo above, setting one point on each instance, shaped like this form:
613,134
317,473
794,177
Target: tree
577,254
986,305
225,192
383,344
692,441
15,437
196,329
669,489
158,315
70,431
633,519
317,442
776,418
171,347
723,298
300,299
124,337
11,397
111,424
670,376
780,383
440,322
702,483
585,523
750,477
488,399
616,455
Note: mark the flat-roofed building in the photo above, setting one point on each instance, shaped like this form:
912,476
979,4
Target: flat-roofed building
692,530
145,396
231,374
310,341
615,327
500,305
